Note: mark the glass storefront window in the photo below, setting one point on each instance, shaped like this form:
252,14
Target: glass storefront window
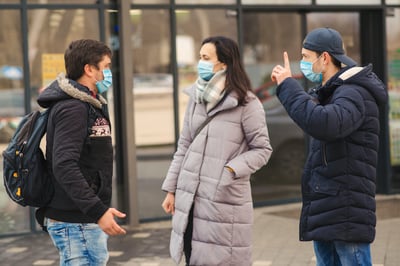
280,178
393,60
152,78
60,1
202,2
60,28
346,2
276,2
193,26
13,218
153,105
345,23
147,2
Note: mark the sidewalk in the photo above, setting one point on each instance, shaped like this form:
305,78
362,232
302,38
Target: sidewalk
275,239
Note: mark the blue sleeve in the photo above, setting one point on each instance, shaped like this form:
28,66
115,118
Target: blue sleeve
338,118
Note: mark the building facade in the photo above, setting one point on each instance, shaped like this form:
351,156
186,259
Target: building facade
155,46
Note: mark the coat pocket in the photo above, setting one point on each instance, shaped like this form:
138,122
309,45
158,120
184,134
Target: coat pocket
323,185
231,190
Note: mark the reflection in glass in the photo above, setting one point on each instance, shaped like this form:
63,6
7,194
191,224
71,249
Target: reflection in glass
152,80
280,178
393,56
61,1
347,24
276,2
50,31
193,26
202,2
153,105
147,2
13,218
346,2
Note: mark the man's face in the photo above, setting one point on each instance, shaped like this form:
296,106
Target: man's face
105,63
312,57
308,55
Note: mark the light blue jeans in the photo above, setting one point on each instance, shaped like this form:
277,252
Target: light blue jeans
340,253
79,244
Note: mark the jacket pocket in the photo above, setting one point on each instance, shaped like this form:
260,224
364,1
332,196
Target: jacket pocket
323,185
231,190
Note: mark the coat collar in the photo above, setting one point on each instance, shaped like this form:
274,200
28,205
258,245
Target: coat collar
227,102
66,86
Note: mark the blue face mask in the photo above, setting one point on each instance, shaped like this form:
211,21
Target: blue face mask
306,68
205,70
105,84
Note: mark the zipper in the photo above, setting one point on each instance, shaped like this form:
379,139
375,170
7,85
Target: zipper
323,151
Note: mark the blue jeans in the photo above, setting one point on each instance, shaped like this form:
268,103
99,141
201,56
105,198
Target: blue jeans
79,244
340,253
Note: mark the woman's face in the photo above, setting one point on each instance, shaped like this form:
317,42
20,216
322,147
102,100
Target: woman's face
208,53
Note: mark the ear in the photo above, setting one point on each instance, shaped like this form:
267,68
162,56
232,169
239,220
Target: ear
88,70
327,58
224,67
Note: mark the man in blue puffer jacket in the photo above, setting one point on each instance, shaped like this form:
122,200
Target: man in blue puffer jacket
341,116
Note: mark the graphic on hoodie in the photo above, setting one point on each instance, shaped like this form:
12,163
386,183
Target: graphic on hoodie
100,128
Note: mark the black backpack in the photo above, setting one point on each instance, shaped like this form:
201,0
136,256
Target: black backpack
25,174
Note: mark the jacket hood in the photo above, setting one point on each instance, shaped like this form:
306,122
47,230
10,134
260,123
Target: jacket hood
63,88
364,77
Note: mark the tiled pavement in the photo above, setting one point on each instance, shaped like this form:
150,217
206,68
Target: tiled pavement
275,239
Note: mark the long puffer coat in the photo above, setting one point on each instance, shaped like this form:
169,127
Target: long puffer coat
222,203
338,183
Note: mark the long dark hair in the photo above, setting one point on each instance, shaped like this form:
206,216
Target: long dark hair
236,77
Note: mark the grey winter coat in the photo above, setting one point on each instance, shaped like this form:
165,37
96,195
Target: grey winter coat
222,202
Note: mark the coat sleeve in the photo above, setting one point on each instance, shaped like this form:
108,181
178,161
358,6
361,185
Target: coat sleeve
185,139
341,116
256,133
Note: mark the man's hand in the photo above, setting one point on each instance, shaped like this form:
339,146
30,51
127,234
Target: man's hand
169,203
280,73
109,225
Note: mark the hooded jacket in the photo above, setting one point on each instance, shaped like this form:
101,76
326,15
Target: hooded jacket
78,151
222,204
338,182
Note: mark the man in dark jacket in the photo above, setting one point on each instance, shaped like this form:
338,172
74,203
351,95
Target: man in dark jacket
80,156
341,116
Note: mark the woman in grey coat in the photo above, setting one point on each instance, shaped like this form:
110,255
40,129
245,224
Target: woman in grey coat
208,182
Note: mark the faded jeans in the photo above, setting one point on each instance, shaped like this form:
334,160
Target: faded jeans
79,244
340,253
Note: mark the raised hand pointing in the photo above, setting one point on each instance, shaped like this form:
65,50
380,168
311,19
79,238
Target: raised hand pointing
280,73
